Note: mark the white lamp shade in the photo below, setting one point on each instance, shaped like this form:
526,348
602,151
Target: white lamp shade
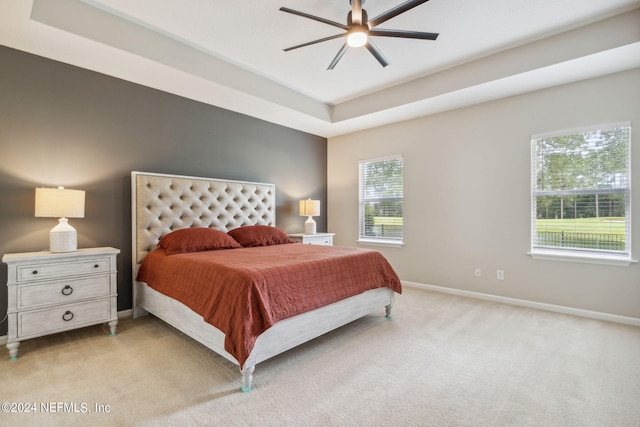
59,203
309,207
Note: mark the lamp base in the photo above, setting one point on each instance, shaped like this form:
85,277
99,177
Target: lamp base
63,237
310,226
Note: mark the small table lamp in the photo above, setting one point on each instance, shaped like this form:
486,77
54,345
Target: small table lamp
309,208
63,204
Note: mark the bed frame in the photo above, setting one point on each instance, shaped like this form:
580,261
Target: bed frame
162,203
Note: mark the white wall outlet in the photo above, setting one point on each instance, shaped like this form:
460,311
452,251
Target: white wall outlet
500,274
478,272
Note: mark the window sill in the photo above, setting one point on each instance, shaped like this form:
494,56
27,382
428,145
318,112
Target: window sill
582,258
374,242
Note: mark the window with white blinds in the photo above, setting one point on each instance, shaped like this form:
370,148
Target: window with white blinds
581,198
381,198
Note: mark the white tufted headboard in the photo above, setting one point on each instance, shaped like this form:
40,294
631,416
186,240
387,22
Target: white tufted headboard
163,203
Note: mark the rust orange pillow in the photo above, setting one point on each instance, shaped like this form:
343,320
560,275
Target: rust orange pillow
195,240
259,235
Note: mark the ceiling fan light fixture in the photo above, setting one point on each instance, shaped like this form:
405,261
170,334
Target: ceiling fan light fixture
359,28
357,37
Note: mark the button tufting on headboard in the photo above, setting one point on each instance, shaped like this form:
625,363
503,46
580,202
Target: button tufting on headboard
164,203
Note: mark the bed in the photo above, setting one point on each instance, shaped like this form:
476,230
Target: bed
164,206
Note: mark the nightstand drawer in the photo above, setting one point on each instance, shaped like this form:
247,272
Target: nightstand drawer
318,240
63,291
57,319
42,271
322,239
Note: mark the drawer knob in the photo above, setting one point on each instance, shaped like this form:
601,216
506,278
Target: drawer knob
34,272
96,265
67,316
67,290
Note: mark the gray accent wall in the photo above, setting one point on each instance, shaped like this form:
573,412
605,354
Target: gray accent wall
63,125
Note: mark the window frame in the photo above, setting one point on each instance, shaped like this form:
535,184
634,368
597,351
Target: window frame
575,254
372,240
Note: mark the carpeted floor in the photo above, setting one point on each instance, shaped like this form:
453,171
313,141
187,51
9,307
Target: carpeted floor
442,360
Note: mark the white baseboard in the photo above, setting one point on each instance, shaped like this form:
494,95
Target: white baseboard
125,313
633,321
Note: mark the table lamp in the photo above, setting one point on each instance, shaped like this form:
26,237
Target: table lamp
61,203
309,208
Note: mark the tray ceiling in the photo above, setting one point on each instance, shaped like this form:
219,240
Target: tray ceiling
230,54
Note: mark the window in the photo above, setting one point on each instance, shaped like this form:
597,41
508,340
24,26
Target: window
381,200
581,204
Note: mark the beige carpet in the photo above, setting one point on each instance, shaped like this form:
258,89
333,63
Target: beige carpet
441,361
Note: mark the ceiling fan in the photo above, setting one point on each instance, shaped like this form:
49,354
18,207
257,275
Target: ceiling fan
360,29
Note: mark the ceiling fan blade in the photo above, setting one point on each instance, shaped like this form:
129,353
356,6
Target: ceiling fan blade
376,53
404,34
315,18
339,56
356,12
392,13
314,42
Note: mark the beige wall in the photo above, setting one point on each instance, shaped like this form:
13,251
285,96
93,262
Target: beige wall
467,195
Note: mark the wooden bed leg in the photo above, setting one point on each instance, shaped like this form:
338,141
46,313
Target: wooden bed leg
247,378
388,311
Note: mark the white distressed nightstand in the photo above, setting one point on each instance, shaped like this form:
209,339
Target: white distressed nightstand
55,292
324,239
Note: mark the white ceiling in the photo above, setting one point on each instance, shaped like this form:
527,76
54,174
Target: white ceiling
230,53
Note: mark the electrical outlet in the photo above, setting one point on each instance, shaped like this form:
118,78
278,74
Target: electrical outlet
478,272
500,274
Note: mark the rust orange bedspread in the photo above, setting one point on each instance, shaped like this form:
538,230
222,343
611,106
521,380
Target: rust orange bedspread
243,292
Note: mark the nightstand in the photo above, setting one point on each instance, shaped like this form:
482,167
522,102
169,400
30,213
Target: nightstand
55,292
324,239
